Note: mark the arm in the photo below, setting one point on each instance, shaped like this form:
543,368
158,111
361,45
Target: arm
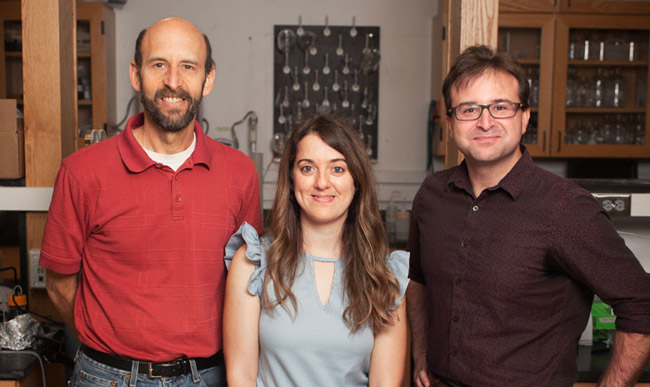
389,352
419,321
629,357
251,210
62,289
241,318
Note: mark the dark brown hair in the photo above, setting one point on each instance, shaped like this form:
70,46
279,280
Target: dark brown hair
369,285
474,62
137,57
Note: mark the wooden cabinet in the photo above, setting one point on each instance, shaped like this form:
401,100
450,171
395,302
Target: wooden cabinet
600,102
589,75
576,6
605,6
528,6
529,37
11,63
95,61
95,66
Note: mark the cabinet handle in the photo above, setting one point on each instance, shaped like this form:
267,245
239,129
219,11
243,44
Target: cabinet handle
559,140
544,142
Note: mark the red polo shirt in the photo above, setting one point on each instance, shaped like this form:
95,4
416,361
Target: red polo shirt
149,243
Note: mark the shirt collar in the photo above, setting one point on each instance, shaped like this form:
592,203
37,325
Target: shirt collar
135,158
513,183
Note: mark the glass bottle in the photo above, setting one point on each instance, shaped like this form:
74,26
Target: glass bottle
582,92
571,88
615,89
597,88
533,84
615,48
597,47
639,129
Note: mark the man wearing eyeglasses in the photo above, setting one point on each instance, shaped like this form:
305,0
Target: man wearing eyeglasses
506,257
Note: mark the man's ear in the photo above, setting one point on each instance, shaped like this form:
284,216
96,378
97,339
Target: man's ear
134,76
208,84
449,127
525,117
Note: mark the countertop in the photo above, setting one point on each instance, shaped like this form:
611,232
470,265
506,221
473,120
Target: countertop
592,364
15,366
614,185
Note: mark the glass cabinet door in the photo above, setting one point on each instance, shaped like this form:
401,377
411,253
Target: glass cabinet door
601,89
11,62
529,38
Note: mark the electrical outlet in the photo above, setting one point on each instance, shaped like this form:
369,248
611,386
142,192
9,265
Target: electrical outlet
37,275
615,205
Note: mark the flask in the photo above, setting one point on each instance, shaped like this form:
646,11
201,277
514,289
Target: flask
402,224
391,218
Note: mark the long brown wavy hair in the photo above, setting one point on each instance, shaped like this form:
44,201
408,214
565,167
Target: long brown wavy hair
369,285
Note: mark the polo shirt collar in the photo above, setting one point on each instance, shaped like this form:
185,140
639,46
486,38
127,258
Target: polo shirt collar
135,158
513,183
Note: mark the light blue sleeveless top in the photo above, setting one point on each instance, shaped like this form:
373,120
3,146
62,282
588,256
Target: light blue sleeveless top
315,347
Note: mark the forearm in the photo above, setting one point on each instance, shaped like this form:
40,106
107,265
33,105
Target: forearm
62,290
241,316
388,356
629,356
416,307
418,316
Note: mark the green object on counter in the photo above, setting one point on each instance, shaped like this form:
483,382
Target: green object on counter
604,325
604,318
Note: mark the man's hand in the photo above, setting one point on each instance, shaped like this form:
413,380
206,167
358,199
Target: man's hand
421,375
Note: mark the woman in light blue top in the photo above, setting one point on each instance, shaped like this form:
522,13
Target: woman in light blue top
318,302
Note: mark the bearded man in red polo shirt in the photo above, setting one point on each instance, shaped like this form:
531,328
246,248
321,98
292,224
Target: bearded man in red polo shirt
135,235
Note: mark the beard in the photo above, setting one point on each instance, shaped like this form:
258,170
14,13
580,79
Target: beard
175,120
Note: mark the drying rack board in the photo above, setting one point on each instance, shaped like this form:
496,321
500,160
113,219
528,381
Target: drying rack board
311,74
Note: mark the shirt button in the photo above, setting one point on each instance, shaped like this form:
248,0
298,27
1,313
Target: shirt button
458,281
176,177
475,208
454,352
178,198
455,318
463,244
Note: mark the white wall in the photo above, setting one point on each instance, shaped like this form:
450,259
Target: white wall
241,33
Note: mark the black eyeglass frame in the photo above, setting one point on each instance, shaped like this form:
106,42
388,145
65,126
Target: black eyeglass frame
518,105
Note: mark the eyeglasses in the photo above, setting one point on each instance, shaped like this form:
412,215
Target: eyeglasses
472,111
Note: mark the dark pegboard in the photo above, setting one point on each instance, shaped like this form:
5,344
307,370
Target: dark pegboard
361,105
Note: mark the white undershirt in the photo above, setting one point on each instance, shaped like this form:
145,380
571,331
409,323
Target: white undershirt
172,161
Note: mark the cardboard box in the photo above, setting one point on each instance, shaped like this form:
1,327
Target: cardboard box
12,148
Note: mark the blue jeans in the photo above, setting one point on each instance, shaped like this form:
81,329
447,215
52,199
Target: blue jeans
88,372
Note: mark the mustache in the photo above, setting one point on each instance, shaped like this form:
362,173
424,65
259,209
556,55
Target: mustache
166,93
